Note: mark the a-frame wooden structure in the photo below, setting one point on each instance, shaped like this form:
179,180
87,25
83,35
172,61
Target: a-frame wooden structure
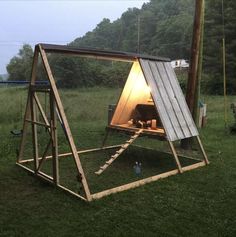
164,91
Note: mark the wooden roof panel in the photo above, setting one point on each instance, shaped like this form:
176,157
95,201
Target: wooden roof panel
169,100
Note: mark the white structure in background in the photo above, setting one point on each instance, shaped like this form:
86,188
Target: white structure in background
179,64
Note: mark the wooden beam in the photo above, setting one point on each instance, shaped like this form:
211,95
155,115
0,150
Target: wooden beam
38,123
175,156
44,155
102,54
41,175
45,175
71,192
202,150
120,188
65,122
79,152
27,109
144,181
53,129
41,111
194,166
34,132
134,184
49,179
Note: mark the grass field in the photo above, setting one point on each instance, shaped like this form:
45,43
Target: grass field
201,202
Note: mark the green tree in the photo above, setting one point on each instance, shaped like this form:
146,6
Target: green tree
165,29
213,56
19,67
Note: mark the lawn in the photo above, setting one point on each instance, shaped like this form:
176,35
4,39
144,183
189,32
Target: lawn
196,203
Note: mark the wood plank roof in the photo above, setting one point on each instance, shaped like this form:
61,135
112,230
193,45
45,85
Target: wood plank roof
169,99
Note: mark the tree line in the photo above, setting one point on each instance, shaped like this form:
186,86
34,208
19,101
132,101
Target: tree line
162,28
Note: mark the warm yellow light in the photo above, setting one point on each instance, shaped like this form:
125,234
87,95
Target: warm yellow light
140,82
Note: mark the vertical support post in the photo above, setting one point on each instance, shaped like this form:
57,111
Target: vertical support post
53,124
195,50
34,131
202,150
175,156
27,110
199,70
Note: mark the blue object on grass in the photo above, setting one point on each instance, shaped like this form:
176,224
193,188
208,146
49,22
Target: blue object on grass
137,168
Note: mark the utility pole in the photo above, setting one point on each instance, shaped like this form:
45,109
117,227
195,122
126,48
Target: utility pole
192,84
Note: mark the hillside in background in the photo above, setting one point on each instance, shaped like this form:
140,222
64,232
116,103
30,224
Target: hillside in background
163,28
160,28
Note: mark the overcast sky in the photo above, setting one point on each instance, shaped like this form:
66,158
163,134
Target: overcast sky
57,22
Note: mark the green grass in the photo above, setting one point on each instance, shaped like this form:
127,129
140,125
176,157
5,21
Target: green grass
196,203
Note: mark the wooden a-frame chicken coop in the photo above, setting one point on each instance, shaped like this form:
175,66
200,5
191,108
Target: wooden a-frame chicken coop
151,104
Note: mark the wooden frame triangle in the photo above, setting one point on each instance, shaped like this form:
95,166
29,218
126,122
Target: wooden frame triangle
57,111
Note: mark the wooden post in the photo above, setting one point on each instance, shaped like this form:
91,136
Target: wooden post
203,151
193,66
175,156
53,124
196,109
27,110
34,131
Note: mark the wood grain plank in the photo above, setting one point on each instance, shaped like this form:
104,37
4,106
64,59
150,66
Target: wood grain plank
158,100
181,99
173,96
167,102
